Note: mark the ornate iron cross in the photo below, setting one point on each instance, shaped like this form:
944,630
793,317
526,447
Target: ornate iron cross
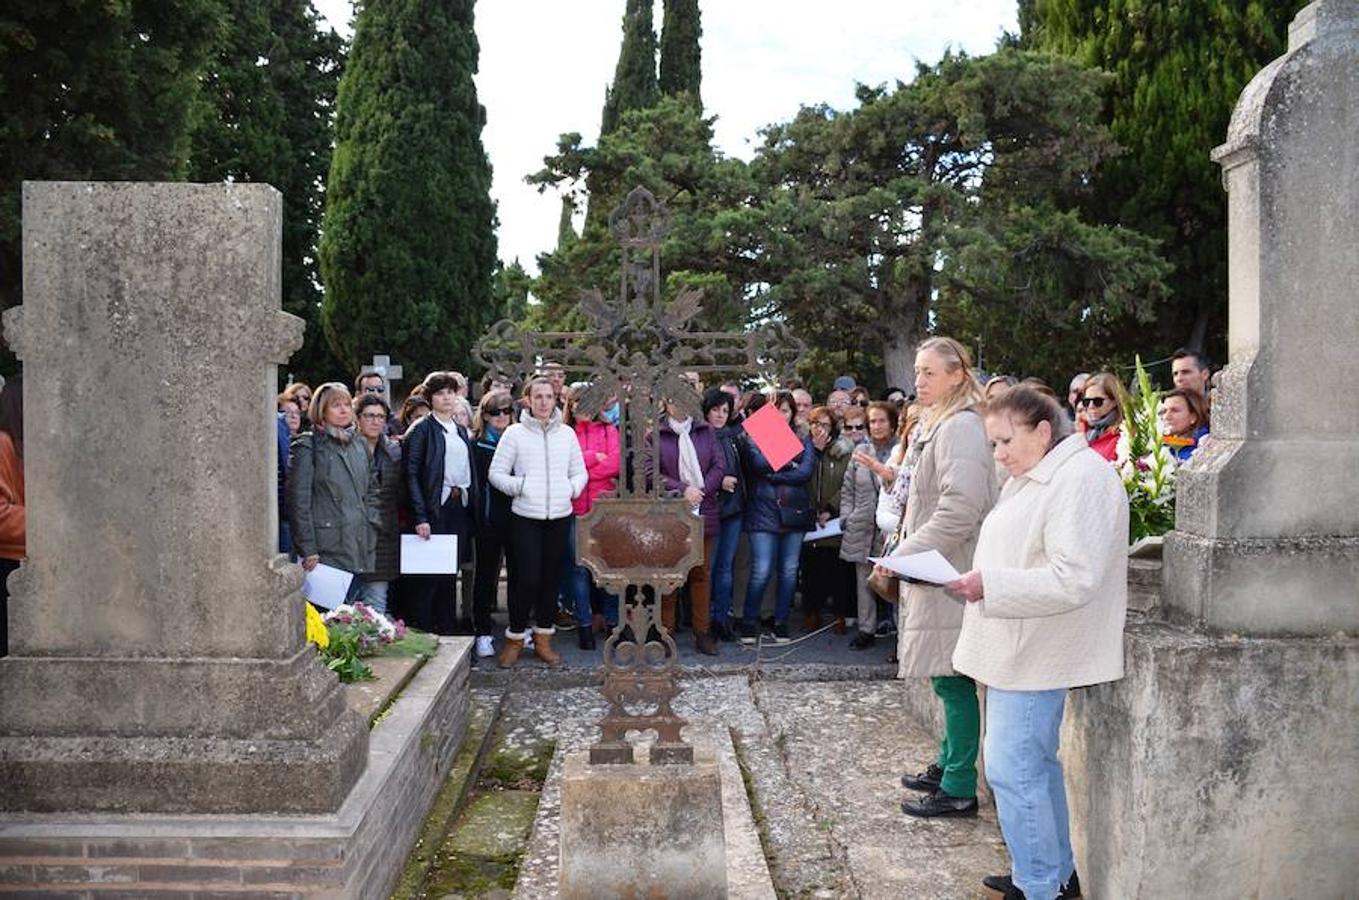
640,543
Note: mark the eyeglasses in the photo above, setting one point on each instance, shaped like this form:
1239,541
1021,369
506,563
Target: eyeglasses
500,411
854,428
825,425
1093,401
374,417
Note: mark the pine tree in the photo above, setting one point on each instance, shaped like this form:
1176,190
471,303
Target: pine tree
267,101
634,78
681,56
408,248
101,91
1178,70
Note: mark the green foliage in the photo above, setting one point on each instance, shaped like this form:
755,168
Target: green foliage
960,185
668,149
681,56
634,78
408,248
566,228
1178,69
343,655
511,291
267,98
95,92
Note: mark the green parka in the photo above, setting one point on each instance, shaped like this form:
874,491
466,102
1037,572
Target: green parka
333,505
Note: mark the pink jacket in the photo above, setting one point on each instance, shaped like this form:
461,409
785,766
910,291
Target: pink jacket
596,438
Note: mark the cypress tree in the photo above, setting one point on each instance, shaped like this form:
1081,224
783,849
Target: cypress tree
267,101
634,78
408,248
681,56
102,91
1178,70
566,228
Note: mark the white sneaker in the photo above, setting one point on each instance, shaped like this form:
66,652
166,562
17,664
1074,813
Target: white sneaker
528,640
485,646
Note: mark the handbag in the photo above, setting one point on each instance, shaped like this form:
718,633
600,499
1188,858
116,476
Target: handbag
888,587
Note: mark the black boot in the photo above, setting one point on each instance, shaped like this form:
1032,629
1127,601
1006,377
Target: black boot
586,638
940,805
927,781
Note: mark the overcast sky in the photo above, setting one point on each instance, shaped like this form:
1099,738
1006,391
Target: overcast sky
545,65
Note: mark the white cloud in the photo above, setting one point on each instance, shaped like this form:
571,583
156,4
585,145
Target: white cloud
545,65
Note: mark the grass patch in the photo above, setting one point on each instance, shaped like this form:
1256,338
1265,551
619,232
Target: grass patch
511,771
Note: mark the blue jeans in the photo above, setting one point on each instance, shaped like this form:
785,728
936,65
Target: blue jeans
1023,730
767,548
579,594
720,571
373,593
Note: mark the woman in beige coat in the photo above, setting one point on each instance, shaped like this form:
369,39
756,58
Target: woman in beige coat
952,488
1047,596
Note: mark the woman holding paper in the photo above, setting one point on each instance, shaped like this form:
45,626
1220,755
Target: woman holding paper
332,497
1046,601
539,464
952,486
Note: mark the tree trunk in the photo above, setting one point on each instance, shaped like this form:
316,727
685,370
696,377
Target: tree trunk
899,341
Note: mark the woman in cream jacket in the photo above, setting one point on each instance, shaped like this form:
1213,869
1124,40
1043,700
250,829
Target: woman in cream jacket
1046,595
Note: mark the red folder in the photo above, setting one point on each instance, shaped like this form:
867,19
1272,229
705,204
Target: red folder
770,432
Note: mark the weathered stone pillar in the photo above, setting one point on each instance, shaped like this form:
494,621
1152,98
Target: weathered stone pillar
1267,527
158,661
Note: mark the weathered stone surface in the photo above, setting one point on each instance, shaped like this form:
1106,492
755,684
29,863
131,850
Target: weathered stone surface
1268,511
356,851
157,658
1219,767
642,831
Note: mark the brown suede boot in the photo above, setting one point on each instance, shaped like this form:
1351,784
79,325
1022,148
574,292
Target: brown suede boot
542,647
509,653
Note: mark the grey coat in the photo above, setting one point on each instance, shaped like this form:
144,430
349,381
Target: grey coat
858,503
953,487
333,501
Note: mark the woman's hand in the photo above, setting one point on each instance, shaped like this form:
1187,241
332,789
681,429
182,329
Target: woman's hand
693,495
882,470
969,586
729,483
423,531
309,562
601,457
822,518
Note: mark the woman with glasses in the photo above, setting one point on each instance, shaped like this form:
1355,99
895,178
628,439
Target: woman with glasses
827,580
443,487
864,479
372,413
1102,413
332,496
493,548
298,393
717,411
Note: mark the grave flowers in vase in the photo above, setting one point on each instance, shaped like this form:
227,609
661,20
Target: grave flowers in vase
1145,463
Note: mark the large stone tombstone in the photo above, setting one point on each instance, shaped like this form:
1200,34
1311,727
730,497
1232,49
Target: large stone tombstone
1267,537
157,655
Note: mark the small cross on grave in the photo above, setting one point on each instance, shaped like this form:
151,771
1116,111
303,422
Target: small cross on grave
639,351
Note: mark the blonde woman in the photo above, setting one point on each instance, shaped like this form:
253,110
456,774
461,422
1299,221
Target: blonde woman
952,487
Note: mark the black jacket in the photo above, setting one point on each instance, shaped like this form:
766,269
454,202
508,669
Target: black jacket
493,507
424,459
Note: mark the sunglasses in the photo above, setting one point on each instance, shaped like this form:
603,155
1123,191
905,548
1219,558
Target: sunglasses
854,428
373,389
1093,401
500,411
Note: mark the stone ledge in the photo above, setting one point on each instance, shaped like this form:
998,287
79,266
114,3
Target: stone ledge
356,852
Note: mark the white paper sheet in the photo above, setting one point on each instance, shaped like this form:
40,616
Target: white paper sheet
326,586
436,556
929,566
830,529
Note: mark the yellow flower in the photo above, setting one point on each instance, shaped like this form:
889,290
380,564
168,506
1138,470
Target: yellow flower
316,628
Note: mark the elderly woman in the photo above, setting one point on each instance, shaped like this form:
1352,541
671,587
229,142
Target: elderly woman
371,411
952,487
332,496
538,463
1102,413
1184,421
1046,600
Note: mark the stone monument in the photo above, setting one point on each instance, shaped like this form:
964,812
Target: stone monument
157,660
1223,765
164,729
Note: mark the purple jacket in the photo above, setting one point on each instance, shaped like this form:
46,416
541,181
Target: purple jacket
710,459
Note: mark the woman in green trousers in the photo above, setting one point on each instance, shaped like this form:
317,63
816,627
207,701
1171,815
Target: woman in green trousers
953,485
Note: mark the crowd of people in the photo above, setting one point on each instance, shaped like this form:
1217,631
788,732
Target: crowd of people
1005,479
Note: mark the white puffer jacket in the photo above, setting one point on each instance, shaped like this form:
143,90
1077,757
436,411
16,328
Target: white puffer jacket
540,466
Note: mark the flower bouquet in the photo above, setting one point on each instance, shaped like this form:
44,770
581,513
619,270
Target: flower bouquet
348,633
1146,463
